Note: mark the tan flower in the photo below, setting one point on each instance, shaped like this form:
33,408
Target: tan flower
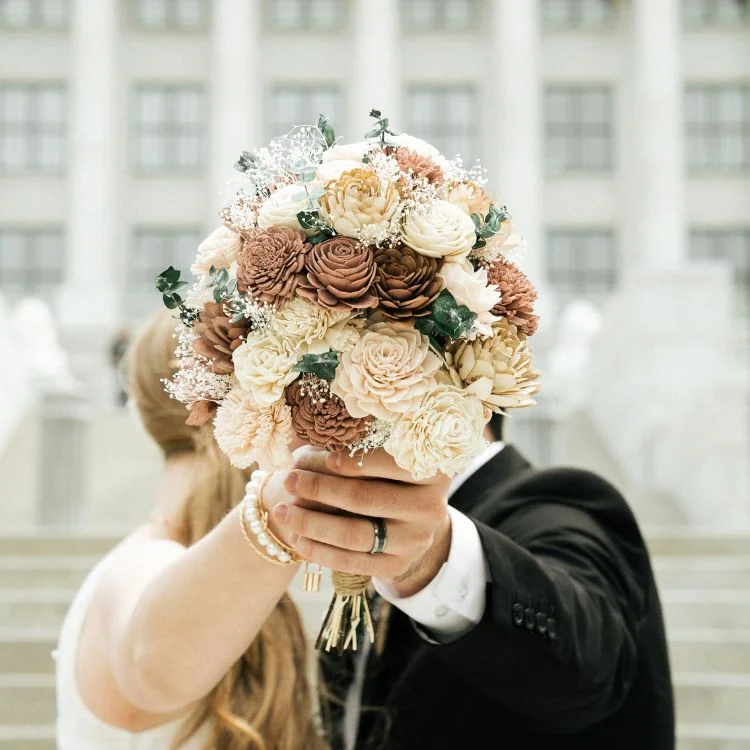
386,373
417,165
217,337
249,433
472,288
497,370
340,273
320,418
470,197
264,366
270,264
419,146
220,249
282,206
442,434
440,230
201,412
518,296
359,200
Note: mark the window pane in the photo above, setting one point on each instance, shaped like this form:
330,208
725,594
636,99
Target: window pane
301,105
152,13
53,13
459,14
571,14
16,13
190,14
325,14
439,15
31,261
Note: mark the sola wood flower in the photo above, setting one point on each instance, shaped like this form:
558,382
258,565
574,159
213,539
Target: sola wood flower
386,373
470,197
282,206
270,264
417,165
443,433
217,337
340,273
518,296
359,200
497,370
264,366
320,418
220,249
439,229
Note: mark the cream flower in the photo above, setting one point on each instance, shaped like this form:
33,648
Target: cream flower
440,230
386,373
282,206
264,366
220,249
497,370
332,170
348,151
249,433
472,288
315,329
421,147
359,201
442,434
470,197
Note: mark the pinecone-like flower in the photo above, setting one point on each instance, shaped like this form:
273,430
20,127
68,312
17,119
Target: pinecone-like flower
406,282
518,296
320,418
418,165
218,337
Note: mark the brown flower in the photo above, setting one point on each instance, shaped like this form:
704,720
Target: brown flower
418,165
218,337
320,418
340,274
270,264
201,412
518,296
406,282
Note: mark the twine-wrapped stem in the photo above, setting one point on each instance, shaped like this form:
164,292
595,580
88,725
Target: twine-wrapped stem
348,618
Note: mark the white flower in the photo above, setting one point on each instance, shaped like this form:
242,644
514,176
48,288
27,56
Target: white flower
440,230
264,366
421,147
220,249
348,151
282,206
471,288
442,434
332,170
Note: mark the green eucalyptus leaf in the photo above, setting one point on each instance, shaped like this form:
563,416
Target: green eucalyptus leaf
479,243
376,113
327,131
169,302
477,221
323,365
307,175
372,133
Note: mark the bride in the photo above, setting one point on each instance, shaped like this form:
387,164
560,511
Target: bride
183,638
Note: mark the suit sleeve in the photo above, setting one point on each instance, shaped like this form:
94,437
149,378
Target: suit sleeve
557,642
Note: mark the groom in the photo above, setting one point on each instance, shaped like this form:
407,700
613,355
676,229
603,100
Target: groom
523,608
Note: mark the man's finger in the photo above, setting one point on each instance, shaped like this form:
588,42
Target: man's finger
360,563
312,459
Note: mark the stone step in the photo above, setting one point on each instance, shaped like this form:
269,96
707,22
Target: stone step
27,737
707,608
27,651
712,698
48,542
27,699
35,609
702,571
696,542
42,571
710,650
713,737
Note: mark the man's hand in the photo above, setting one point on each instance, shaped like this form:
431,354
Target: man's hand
335,496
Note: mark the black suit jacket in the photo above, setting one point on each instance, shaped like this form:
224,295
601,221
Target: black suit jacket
570,653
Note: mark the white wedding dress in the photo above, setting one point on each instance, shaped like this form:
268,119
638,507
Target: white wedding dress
77,727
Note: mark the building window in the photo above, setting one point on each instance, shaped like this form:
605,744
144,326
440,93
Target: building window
301,105
578,124
582,263
306,15
447,117
700,13
717,121
576,14
179,15
732,245
32,262
169,128
32,127
153,250
34,14
440,15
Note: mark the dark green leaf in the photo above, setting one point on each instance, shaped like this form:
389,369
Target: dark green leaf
479,243
308,219
429,329
323,365
366,159
170,302
218,295
325,128
376,113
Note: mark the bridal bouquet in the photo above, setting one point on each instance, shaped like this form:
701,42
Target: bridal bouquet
358,296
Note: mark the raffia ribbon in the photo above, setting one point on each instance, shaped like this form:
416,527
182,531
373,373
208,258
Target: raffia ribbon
348,619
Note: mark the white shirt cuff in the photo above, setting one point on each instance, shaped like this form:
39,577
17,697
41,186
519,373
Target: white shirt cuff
453,602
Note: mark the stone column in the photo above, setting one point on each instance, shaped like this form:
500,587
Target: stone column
236,100
376,81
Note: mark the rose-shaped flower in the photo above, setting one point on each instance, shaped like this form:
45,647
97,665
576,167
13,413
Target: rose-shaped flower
470,197
340,273
472,288
442,434
359,200
320,418
497,370
332,170
405,282
316,330
517,296
220,249
440,230
270,264
386,373
280,209
264,366
346,151
249,433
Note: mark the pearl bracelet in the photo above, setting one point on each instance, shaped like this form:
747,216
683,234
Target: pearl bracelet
254,524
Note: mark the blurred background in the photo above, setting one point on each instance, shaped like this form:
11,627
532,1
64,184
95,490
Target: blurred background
618,133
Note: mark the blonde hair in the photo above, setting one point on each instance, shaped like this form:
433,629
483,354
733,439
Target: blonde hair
264,701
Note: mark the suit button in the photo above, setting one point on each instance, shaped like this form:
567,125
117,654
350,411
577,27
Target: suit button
517,614
529,618
541,623
551,628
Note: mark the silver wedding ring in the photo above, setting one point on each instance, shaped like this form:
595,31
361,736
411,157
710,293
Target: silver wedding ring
381,536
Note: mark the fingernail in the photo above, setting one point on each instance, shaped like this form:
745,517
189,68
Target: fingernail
293,537
291,481
281,511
